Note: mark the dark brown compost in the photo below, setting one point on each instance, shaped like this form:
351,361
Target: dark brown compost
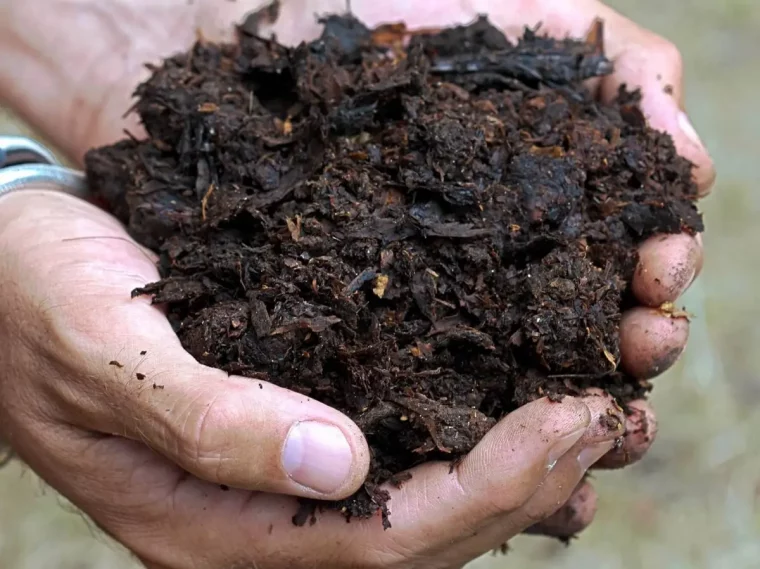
423,230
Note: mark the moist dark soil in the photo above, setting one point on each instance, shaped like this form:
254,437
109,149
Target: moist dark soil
424,230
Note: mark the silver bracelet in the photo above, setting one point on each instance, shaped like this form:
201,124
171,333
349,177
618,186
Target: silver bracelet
26,164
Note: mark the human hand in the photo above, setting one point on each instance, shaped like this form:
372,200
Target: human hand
101,400
101,91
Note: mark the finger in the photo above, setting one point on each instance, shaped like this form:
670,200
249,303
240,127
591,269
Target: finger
642,60
640,433
443,505
438,506
667,266
653,64
651,341
234,431
572,518
603,433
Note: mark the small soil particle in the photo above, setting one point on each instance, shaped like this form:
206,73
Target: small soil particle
422,230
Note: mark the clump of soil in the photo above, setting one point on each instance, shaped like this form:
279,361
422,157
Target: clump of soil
423,230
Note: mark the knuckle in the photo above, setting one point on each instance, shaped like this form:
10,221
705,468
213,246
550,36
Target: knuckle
201,447
506,503
540,510
495,501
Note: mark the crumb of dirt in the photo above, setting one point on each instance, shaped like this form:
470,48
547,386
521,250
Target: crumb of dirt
424,237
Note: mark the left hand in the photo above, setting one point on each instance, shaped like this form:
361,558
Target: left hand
69,68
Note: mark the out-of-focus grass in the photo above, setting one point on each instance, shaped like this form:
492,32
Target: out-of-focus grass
692,503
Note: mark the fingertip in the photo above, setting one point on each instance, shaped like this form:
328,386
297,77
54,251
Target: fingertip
651,341
323,452
667,266
701,257
607,418
605,429
566,415
690,146
640,433
324,457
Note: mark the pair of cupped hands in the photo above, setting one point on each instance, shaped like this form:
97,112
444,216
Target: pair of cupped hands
152,466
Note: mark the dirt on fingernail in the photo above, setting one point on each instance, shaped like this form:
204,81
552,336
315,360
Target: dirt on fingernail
422,230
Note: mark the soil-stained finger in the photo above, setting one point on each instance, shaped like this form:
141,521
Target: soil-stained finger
572,518
651,341
667,266
604,430
640,433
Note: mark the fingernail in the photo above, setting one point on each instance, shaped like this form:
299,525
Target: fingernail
592,453
561,447
688,129
317,456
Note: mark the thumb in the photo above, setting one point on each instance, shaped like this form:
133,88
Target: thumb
117,366
252,434
236,431
241,432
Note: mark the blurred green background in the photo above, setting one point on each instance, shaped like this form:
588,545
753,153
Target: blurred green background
692,502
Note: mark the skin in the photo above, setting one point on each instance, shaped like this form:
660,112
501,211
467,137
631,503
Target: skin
145,463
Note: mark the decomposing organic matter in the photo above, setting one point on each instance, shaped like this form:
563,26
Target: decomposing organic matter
423,230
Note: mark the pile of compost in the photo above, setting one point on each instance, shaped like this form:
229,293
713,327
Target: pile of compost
423,230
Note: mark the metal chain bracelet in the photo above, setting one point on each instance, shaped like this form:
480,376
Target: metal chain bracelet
26,164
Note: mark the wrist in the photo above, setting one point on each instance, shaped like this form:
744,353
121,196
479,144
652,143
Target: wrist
27,165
